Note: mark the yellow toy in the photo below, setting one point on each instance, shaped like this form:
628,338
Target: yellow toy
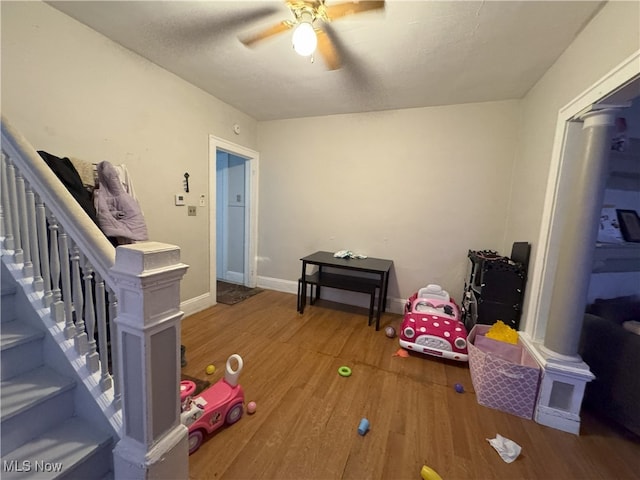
428,473
502,332
210,369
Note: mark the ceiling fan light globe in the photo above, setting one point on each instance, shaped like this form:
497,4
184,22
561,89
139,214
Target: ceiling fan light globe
304,39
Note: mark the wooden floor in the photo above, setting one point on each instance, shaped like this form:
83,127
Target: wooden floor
307,415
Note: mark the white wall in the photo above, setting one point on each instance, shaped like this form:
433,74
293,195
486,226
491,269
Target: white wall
419,186
364,182
73,92
611,37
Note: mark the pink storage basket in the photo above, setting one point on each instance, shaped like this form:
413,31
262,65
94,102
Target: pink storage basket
505,376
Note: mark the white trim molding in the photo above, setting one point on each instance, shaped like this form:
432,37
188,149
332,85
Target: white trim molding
197,304
251,232
542,275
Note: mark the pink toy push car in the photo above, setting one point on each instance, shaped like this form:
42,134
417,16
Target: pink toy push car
220,404
432,325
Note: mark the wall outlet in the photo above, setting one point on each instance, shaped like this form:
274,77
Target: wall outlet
192,210
179,199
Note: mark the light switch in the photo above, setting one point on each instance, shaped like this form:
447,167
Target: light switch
203,201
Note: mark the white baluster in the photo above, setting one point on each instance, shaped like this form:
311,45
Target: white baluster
18,256
103,344
43,243
38,283
27,268
6,207
90,319
80,339
57,307
1,221
115,358
65,277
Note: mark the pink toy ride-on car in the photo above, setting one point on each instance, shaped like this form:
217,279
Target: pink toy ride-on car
220,404
432,325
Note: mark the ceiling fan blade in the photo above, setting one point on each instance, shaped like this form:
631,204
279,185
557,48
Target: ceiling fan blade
206,29
266,33
350,8
327,50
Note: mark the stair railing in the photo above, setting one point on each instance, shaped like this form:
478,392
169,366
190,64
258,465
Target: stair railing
98,298
64,256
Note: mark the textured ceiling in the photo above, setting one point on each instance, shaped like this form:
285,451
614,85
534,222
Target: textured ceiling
411,54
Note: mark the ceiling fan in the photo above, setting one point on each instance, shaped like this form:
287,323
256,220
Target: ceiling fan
310,16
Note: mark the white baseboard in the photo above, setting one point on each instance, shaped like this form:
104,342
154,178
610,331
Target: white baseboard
396,305
204,301
197,304
286,286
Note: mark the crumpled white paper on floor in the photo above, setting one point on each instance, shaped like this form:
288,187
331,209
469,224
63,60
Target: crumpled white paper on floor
508,449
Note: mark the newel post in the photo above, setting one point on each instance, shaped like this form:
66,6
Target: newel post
153,444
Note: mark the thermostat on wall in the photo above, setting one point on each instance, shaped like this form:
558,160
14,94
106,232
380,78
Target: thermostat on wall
179,199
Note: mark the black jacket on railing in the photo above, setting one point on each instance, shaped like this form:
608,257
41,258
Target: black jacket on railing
69,176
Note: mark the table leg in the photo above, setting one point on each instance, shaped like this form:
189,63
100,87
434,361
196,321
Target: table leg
302,295
385,286
381,302
372,302
318,286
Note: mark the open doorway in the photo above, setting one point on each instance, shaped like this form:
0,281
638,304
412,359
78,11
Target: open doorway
619,86
233,214
231,217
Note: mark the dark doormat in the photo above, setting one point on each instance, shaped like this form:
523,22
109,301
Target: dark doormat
200,384
231,293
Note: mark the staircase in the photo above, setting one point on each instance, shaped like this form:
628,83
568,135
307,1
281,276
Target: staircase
43,436
84,326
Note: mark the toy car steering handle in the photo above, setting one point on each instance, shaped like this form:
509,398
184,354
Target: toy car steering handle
230,375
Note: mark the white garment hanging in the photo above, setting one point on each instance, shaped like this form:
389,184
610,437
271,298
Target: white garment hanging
125,179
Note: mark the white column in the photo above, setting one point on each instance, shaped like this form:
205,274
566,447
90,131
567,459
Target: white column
565,375
154,442
575,259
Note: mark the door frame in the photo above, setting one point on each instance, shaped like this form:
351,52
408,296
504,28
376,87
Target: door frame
564,154
252,158
222,180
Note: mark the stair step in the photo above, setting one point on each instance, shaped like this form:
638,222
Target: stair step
32,403
27,390
21,347
7,307
73,450
15,333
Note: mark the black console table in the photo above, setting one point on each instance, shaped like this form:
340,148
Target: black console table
341,273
